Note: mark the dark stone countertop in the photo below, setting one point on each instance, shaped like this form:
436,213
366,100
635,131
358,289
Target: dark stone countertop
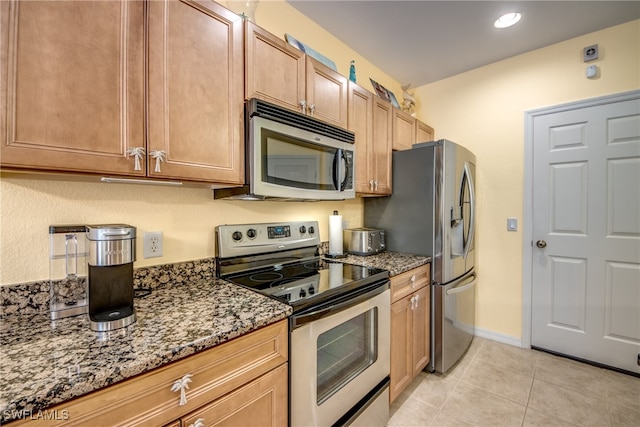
395,262
43,363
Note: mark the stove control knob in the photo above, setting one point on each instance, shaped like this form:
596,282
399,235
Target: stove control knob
251,233
303,229
311,230
302,293
312,290
236,236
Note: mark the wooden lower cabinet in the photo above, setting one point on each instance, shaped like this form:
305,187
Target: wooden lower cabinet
261,403
410,327
241,382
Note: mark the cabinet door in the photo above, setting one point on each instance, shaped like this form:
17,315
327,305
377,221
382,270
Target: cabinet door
326,93
72,85
261,403
275,71
424,132
404,133
359,119
420,330
196,91
382,137
401,352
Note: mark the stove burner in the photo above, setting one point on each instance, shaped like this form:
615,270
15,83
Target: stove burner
268,276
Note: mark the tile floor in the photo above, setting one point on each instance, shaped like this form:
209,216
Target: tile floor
496,384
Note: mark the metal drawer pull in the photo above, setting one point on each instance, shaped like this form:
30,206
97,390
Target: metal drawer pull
413,281
198,423
413,303
182,385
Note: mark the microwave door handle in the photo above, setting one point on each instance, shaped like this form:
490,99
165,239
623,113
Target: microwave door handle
336,169
347,173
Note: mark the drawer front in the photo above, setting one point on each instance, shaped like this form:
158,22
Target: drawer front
410,281
149,400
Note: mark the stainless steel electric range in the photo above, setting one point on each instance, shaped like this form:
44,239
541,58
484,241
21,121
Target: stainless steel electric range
339,329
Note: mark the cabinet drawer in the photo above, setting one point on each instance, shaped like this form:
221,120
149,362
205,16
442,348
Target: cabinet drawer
409,281
148,399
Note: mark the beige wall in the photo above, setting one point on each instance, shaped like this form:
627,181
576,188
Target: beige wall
484,110
186,216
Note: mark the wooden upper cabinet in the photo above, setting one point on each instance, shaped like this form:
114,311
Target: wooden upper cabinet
73,90
424,132
360,122
281,74
326,93
79,94
274,70
404,132
382,145
196,91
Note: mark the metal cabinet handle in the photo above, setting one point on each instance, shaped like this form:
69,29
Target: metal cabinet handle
375,185
198,423
413,302
137,153
160,156
413,281
182,385
371,185
541,244
312,109
303,106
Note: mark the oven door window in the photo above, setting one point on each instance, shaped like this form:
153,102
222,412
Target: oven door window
292,162
344,352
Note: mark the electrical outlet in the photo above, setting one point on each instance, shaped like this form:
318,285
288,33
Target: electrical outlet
152,244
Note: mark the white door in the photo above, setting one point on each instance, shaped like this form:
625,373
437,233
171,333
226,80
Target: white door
586,233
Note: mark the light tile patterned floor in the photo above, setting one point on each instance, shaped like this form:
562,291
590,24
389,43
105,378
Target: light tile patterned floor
499,385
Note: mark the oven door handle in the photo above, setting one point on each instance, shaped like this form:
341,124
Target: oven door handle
298,320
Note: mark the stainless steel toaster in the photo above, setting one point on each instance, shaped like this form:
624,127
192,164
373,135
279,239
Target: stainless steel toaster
364,241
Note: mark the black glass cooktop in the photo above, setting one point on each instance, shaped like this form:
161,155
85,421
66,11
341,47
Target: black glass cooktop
308,283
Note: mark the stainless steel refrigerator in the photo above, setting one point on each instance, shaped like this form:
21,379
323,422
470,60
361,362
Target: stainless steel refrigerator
432,212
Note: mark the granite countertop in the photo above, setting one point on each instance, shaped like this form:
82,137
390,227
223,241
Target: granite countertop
43,363
395,262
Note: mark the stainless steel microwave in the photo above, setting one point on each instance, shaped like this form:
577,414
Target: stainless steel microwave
293,156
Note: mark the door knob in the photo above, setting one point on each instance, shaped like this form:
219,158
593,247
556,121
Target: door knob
541,244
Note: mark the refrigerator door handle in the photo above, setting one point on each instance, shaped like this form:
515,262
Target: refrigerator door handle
462,288
472,202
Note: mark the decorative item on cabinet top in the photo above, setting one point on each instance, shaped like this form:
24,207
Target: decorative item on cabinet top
311,52
384,93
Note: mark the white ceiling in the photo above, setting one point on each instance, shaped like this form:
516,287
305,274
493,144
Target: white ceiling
422,41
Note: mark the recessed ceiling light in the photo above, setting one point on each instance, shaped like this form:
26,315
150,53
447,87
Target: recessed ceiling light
507,20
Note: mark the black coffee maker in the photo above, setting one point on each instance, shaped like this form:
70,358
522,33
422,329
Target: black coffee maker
112,251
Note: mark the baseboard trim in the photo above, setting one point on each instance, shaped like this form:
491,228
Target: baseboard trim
501,338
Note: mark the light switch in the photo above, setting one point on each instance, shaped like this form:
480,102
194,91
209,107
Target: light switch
512,224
